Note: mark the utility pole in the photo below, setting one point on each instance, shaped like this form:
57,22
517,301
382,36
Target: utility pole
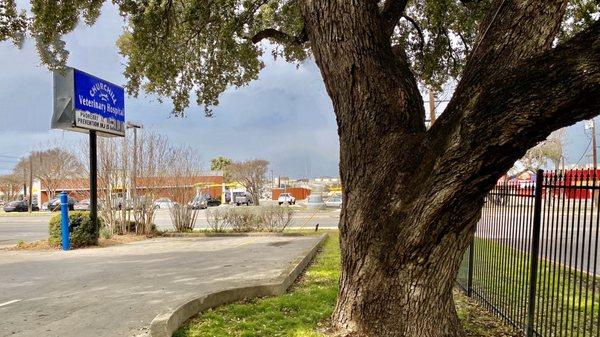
24,183
30,202
594,154
432,116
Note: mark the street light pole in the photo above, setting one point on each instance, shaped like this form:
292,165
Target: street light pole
134,126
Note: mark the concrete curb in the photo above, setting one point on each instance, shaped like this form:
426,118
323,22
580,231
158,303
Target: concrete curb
226,234
164,325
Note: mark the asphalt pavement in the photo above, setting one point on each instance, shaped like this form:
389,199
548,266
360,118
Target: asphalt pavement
117,291
25,227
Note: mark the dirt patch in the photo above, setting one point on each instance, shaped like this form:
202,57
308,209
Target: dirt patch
478,321
120,239
102,242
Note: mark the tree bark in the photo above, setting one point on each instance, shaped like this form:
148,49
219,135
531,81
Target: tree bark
412,197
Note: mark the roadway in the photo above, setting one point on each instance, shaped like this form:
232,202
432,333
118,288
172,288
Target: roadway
567,238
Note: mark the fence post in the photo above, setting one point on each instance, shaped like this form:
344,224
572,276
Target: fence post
470,276
535,251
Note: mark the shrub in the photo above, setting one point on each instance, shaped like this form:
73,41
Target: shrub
217,219
275,218
183,217
247,219
105,233
242,219
81,230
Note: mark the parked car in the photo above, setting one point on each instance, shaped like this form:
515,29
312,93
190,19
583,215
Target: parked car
334,202
286,198
199,202
19,206
82,205
54,204
210,202
164,203
44,206
242,198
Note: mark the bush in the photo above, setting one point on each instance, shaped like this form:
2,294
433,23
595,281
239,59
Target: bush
275,218
105,233
217,219
248,219
81,230
183,217
242,219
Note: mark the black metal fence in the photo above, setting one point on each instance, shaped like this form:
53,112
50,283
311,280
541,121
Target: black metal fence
534,259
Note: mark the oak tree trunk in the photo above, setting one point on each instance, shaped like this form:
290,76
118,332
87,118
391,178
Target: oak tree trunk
412,196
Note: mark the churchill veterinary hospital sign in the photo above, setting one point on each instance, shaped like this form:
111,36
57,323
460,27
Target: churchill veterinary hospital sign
83,102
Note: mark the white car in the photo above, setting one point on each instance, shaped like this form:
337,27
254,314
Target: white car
334,202
163,203
286,198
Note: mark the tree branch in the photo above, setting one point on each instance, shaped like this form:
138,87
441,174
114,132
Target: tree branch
415,25
503,41
391,12
508,114
280,37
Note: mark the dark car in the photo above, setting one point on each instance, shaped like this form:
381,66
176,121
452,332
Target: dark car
54,204
19,206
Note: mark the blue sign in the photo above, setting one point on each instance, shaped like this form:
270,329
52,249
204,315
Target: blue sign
99,97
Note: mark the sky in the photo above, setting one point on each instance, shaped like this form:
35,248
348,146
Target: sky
284,117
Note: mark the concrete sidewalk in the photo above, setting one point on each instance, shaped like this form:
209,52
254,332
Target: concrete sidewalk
117,291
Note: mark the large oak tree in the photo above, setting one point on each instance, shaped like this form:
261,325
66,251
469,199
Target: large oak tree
412,196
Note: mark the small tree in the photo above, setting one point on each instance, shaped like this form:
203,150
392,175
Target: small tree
182,182
251,174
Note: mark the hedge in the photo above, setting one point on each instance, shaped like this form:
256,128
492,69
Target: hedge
81,230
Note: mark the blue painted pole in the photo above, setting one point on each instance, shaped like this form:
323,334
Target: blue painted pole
64,223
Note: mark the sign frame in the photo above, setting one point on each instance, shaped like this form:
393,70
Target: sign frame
83,102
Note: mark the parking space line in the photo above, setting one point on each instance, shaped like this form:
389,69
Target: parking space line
9,302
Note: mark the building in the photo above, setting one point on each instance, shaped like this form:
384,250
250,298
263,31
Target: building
207,183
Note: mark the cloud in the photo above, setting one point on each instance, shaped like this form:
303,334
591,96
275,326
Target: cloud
285,116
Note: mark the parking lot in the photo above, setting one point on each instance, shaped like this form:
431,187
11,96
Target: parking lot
117,291
15,227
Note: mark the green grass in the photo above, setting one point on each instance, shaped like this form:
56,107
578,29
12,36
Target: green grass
23,214
567,301
306,308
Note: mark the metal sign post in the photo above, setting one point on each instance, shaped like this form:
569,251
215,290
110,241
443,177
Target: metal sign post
93,179
86,103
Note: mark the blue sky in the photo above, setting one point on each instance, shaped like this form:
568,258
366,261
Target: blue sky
285,116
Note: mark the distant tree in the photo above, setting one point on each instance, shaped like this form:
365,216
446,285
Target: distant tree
549,150
51,167
10,186
221,163
251,174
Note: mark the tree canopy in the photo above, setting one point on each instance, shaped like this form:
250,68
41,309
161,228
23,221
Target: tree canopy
180,48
